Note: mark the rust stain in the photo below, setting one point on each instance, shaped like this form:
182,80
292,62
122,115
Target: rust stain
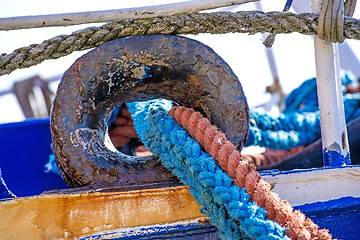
144,13
194,81
343,140
84,213
197,90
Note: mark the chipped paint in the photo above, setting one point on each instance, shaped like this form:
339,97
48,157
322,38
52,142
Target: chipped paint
86,137
141,72
314,185
193,229
333,157
213,77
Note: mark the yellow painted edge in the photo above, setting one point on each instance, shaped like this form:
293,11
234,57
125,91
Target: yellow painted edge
59,216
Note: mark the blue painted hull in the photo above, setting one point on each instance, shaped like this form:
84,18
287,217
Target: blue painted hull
25,148
192,231
340,216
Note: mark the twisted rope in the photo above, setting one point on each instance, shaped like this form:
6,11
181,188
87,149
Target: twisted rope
269,157
269,41
228,206
245,176
220,22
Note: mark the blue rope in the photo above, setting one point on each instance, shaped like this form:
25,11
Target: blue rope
228,206
286,131
305,99
51,167
299,124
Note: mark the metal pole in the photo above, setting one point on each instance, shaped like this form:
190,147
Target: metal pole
68,19
331,106
276,90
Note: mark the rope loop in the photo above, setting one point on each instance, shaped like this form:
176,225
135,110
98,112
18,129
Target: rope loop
331,19
349,7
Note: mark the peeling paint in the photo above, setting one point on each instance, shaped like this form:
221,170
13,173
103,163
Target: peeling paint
213,77
334,158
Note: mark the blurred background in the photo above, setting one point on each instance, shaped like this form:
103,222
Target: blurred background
293,53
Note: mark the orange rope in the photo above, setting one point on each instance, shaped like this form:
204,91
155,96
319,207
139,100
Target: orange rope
245,175
270,157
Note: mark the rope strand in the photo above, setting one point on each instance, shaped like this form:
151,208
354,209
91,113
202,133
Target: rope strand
220,22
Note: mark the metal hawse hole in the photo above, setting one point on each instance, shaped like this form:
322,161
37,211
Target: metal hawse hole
136,69
123,135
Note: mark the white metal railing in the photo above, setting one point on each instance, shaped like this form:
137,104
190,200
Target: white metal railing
331,106
68,19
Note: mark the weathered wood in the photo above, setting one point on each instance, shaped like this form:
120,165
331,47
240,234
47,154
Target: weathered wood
78,213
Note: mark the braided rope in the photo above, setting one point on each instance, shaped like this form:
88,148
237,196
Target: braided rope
299,124
228,206
286,131
245,176
220,22
304,98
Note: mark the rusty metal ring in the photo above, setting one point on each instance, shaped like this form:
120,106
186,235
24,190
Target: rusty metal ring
135,69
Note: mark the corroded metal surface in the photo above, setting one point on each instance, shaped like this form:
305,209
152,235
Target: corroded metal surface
135,69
